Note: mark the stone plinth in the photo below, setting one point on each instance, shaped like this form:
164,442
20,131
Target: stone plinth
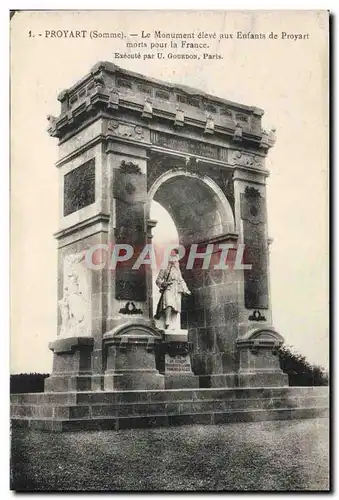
71,365
130,358
174,362
258,359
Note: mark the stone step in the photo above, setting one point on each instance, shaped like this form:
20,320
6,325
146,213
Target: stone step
207,418
62,411
102,397
178,407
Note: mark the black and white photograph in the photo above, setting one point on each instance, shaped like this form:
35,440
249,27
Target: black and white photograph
169,251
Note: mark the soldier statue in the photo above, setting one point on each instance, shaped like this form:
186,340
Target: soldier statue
172,286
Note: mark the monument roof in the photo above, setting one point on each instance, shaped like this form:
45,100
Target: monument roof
113,68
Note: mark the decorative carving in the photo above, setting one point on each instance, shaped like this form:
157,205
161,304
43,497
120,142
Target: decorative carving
225,181
241,118
113,102
237,135
99,80
145,89
189,146
52,128
113,124
79,187
194,101
253,206
130,192
256,316
253,213
148,108
268,138
125,130
262,337
272,136
174,348
210,108
129,168
181,98
52,120
179,118
209,128
252,192
160,94
246,159
227,113
150,226
173,356
74,305
178,349
264,140
192,163
124,83
130,308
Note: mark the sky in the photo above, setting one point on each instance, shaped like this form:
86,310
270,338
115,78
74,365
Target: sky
288,79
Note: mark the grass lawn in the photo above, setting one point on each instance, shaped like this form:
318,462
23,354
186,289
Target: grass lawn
286,455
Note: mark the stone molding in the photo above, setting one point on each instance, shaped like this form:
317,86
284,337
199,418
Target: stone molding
263,337
132,331
91,221
70,344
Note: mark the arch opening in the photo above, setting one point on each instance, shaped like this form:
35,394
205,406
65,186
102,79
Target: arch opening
198,207
189,209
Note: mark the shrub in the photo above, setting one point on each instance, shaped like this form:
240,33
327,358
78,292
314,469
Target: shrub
27,382
300,371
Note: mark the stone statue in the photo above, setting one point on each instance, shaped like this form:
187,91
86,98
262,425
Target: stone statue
74,303
172,286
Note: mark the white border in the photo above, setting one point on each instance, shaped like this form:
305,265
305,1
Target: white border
4,198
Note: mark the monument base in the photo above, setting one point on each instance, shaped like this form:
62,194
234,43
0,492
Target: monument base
174,362
130,358
181,380
134,381
66,382
262,379
76,411
222,380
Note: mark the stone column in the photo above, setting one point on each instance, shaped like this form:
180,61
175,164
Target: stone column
129,357
82,290
212,314
257,340
127,192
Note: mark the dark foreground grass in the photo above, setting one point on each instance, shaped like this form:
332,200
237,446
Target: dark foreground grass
286,455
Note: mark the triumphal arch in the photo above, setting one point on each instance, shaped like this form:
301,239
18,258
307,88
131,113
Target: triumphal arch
125,140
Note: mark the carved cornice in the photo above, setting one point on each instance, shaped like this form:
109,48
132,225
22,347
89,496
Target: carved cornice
91,221
265,337
127,131
221,238
245,159
70,344
114,89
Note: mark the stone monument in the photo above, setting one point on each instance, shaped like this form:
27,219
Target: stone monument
125,140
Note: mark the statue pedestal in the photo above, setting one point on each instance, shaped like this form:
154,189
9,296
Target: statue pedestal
130,358
174,362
